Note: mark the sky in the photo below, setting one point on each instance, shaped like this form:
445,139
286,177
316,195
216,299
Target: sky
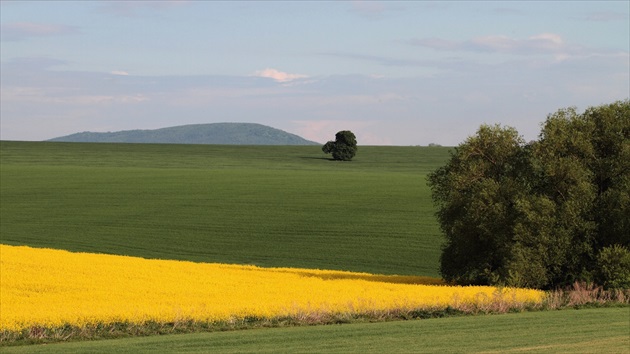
393,72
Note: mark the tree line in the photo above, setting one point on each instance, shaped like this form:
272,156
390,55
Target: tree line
539,214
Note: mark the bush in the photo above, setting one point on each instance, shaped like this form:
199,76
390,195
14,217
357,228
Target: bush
613,267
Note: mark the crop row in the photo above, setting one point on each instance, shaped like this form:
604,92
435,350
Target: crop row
50,288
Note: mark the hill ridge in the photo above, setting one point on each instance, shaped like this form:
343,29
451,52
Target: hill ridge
204,133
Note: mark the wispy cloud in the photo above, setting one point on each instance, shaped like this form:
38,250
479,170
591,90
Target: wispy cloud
441,108
448,64
278,75
18,31
508,11
544,44
605,16
137,8
26,64
36,96
382,60
324,130
368,9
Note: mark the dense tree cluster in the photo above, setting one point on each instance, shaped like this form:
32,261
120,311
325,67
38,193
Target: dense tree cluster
539,214
344,147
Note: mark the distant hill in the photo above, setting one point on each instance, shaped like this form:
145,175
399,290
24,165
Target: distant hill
213,133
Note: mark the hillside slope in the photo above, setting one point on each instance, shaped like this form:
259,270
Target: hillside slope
271,206
213,133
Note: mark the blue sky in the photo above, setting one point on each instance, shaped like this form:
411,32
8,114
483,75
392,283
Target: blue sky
395,73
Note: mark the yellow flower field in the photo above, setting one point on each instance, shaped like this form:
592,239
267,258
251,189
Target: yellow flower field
49,288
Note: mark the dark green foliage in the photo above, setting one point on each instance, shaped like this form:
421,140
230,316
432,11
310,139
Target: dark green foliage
343,148
475,191
613,267
537,214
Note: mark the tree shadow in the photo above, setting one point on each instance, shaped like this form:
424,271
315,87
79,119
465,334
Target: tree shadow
341,275
317,158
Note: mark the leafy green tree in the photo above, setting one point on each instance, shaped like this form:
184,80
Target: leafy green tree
563,176
474,192
583,165
613,267
537,214
343,148
610,163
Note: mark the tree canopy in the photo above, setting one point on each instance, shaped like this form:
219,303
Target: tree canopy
344,147
538,214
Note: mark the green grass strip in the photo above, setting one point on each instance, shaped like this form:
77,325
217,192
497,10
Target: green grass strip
593,330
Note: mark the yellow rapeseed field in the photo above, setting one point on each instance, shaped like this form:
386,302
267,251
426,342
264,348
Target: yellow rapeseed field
49,288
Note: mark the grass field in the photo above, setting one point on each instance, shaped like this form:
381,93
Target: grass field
603,330
287,206
271,206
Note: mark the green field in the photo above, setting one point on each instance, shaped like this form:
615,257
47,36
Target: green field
264,205
604,330
287,206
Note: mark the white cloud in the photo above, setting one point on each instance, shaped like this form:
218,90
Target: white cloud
119,72
278,75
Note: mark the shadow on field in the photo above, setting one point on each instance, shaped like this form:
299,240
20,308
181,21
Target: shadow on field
340,275
317,158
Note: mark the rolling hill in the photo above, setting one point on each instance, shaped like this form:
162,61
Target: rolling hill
213,133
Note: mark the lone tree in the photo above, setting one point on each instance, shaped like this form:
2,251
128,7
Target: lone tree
343,148
542,214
